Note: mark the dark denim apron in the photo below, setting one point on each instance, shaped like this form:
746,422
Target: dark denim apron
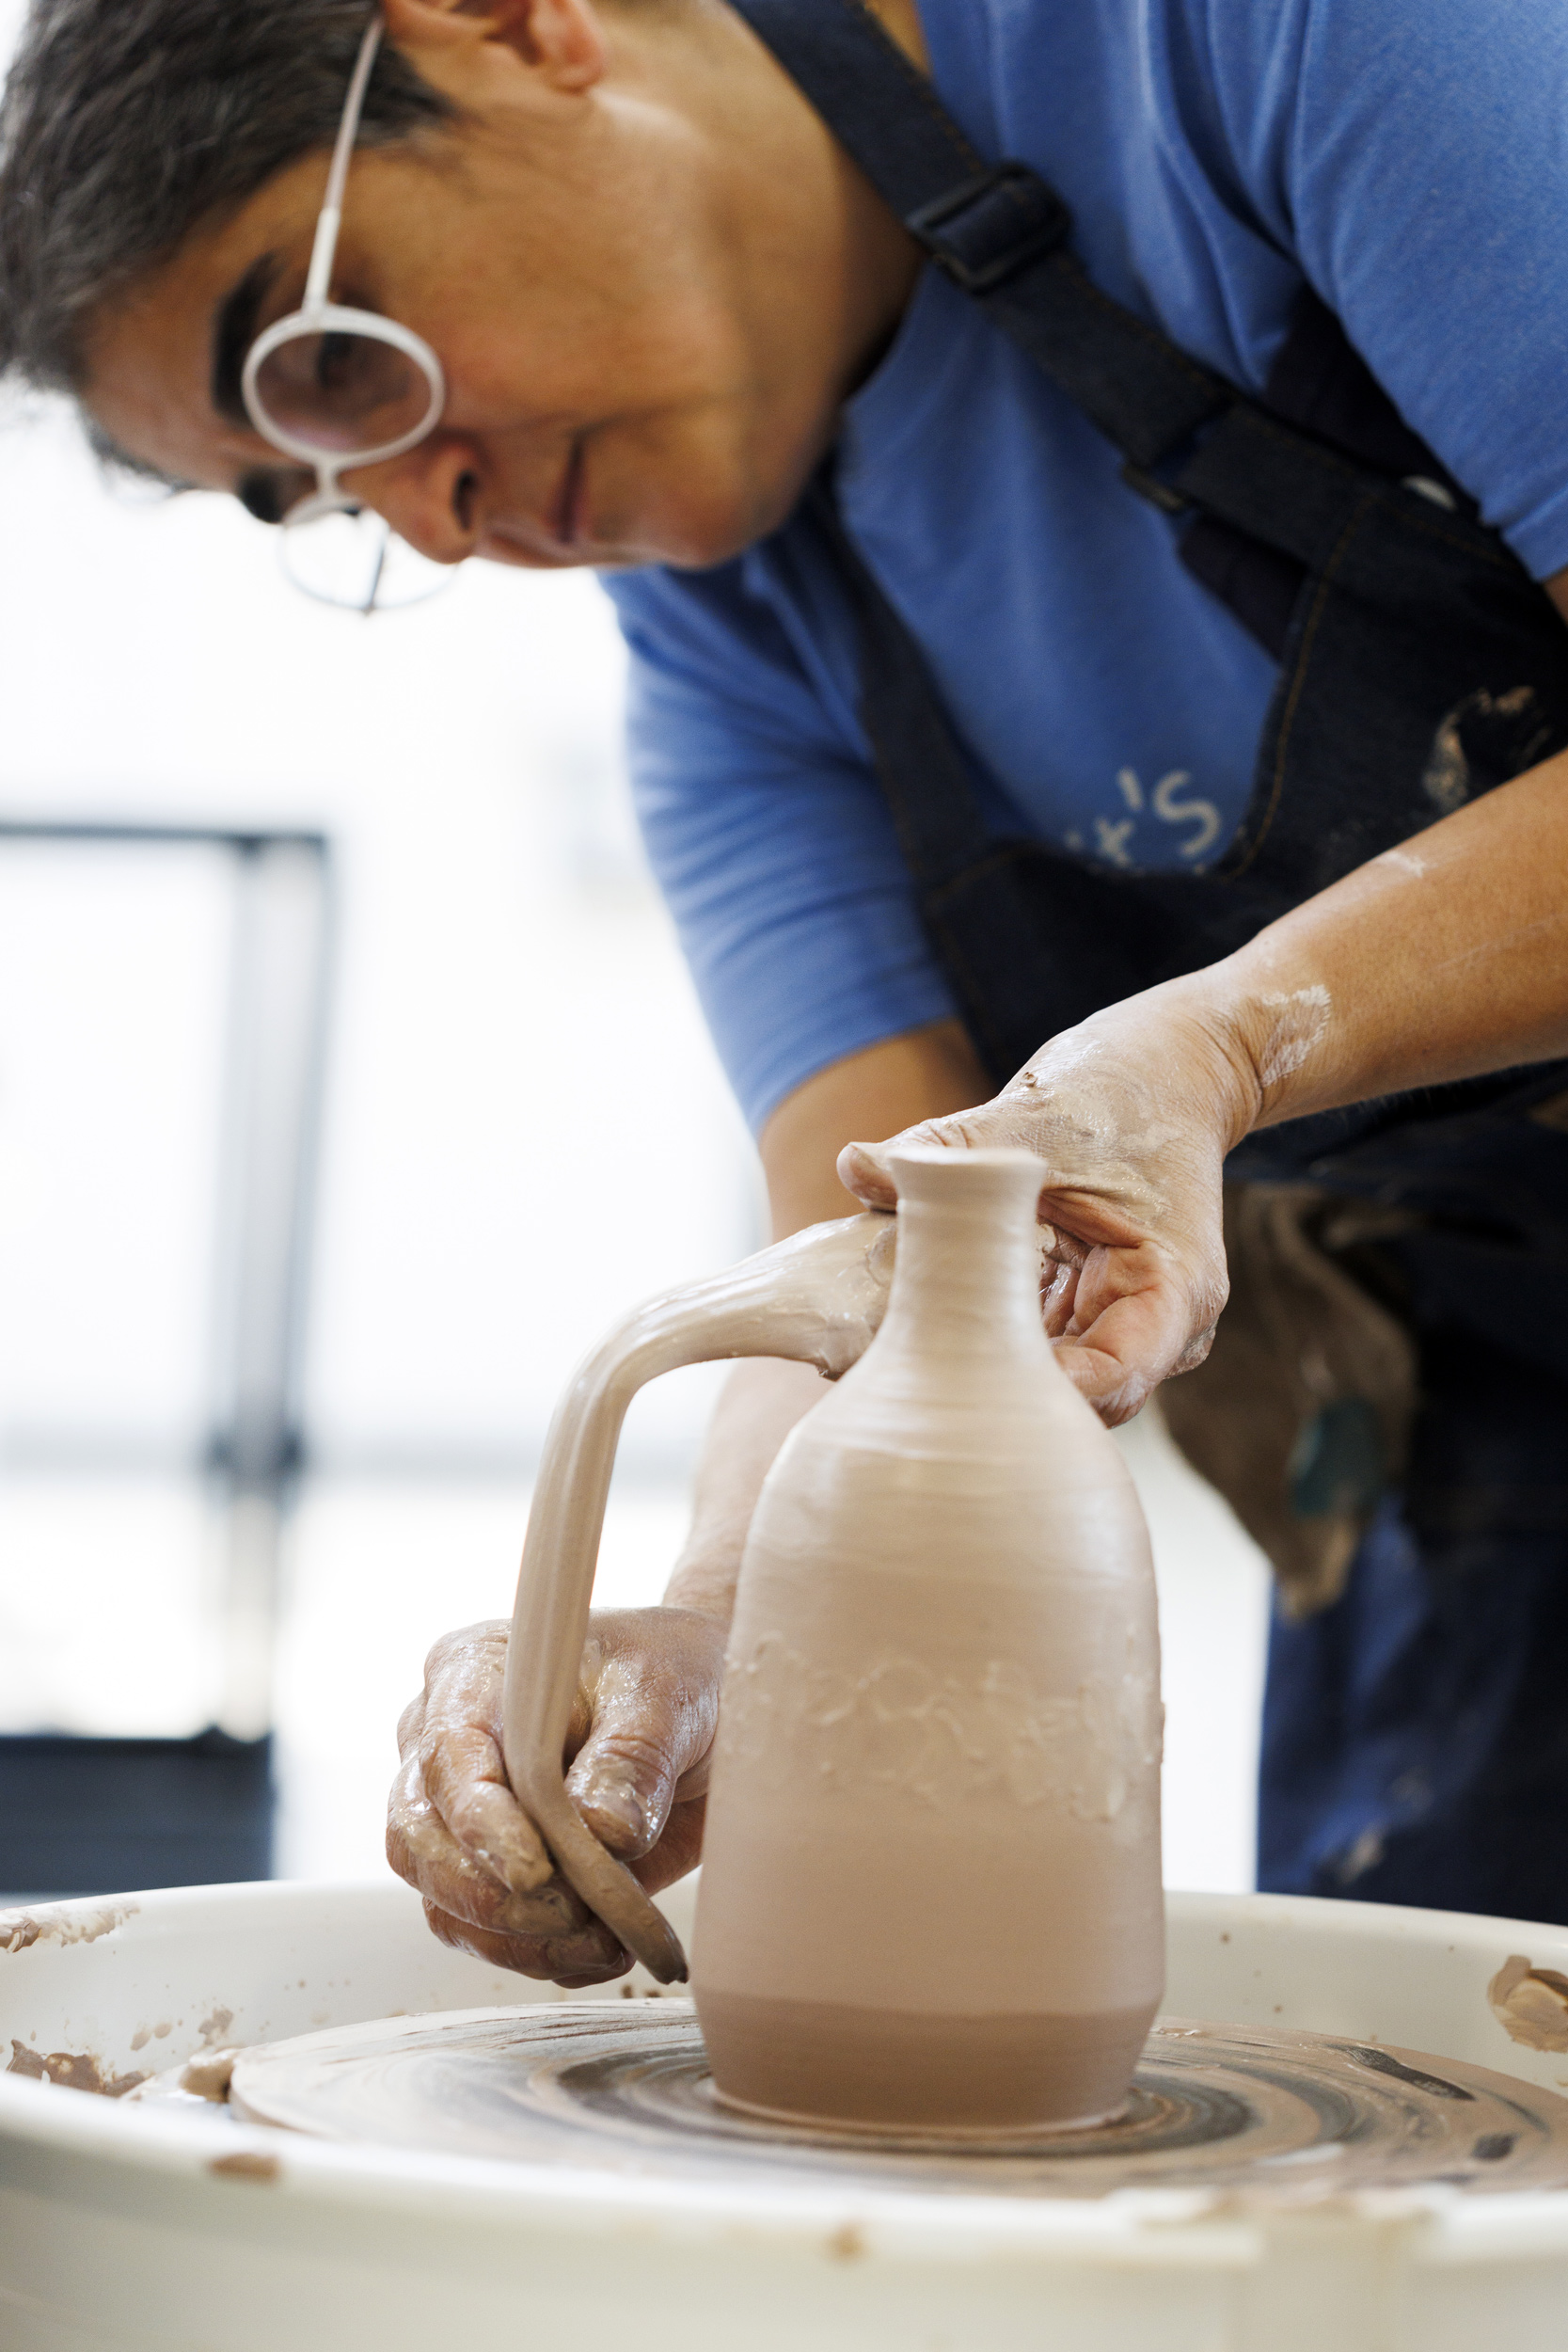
1416,1735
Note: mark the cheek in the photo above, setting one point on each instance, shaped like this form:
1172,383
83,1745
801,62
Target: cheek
680,488
599,352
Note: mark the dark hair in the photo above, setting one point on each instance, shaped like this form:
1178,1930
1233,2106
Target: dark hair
127,122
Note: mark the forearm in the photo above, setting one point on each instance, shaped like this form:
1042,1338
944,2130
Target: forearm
761,1403
1441,960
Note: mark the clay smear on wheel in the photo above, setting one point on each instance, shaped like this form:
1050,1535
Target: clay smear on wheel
1261,2111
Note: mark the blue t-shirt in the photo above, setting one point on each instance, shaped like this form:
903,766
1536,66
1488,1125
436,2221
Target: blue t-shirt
1407,158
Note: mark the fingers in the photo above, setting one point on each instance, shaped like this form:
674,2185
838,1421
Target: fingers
655,1687
1121,1323
862,1168
423,1850
545,1932
1059,1299
1117,1391
1196,1353
643,1727
411,1723
454,1731
584,1953
565,1961
861,1171
465,1778
1119,1344
1129,1117
677,1852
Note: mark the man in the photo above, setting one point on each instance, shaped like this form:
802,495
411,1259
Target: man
650,292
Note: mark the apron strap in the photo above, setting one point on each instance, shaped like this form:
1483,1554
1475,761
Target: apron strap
1192,441
922,766
997,229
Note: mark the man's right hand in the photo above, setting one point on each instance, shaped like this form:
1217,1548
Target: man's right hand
641,1727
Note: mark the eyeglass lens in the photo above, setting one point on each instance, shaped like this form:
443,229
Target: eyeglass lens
348,557
338,391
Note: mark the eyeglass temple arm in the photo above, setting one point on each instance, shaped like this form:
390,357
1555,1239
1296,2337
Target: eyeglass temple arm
323,252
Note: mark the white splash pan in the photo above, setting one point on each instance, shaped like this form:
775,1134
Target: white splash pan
117,2236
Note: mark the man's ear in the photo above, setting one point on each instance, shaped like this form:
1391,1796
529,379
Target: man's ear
562,40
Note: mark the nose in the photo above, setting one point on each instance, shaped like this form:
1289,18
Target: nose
430,496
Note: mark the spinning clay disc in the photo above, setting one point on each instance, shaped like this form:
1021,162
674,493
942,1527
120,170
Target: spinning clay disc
603,2088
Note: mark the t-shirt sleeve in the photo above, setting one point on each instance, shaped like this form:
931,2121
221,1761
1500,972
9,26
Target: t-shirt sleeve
769,836
1413,154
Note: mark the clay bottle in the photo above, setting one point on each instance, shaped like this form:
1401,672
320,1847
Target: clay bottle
930,1893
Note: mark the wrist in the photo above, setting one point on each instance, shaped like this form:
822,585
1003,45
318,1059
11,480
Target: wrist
705,1583
1276,1035
1197,1029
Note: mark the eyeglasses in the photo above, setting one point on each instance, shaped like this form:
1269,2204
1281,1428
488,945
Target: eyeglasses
335,388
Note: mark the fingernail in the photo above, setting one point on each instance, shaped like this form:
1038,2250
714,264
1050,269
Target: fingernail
521,1873
617,1800
550,1909
859,1160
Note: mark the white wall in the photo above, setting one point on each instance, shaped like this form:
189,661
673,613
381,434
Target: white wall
527,1125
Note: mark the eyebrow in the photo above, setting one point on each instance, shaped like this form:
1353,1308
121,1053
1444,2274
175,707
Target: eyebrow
234,332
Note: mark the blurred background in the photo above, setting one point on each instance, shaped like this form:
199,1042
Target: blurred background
350,1084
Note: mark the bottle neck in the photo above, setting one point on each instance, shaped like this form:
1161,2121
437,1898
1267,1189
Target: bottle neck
967,1277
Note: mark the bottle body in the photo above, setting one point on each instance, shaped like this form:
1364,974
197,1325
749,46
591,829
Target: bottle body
931,1885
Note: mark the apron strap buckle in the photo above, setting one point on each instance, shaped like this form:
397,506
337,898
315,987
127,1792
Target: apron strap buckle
1148,485
986,228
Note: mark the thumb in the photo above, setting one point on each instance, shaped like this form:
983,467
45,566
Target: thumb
623,1787
646,1733
862,1168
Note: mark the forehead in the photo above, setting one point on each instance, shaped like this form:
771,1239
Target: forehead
150,356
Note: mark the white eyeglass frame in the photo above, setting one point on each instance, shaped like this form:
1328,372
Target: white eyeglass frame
317,315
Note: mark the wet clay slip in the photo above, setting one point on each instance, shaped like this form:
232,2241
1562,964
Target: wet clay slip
1258,2113
931,1885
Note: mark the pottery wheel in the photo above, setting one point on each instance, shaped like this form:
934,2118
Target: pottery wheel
627,2089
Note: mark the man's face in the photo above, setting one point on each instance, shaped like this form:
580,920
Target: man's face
647,314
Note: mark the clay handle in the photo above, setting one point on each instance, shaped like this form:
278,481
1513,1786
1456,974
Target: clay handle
816,1298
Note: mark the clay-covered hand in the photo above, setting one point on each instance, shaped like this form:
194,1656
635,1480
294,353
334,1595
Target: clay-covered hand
1132,1114
642,1726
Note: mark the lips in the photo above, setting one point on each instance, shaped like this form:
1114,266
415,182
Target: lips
556,530
567,519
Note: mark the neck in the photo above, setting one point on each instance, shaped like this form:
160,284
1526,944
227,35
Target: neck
967,1278
900,19
822,263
